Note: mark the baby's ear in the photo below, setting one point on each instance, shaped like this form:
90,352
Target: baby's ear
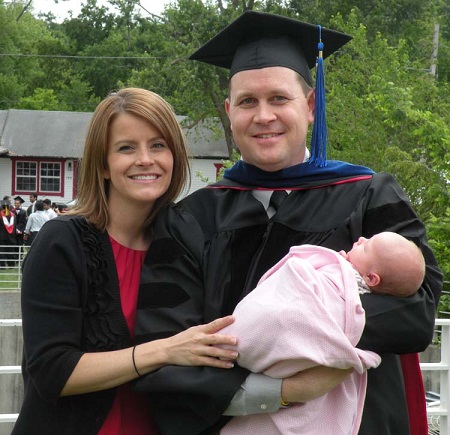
372,279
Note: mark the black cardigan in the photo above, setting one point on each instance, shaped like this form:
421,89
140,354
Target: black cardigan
70,305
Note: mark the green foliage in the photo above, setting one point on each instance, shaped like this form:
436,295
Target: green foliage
439,234
235,156
92,26
11,90
385,119
42,99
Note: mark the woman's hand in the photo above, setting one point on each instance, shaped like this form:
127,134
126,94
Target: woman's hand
197,346
312,383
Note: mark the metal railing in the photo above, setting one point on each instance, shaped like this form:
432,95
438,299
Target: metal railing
439,416
11,259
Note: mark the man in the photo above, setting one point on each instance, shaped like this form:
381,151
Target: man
212,248
21,218
35,222
32,207
48,209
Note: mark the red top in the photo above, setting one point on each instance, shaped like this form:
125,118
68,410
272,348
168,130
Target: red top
129,414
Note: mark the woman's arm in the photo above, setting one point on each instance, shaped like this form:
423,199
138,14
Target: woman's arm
193,347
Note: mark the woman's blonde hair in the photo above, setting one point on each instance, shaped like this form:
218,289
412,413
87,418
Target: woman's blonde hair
92,196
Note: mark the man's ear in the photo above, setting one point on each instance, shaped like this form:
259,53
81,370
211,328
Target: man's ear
372,279
227,109
311,100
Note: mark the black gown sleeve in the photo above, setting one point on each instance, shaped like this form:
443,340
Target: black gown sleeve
397,325
171,299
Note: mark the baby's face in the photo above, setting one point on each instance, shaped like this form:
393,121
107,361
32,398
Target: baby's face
361,255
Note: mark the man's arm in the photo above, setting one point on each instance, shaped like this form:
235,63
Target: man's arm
171,299
397,325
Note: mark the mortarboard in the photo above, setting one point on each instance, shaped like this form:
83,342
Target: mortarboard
19,198
259,40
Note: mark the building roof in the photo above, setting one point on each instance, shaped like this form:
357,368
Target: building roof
57,134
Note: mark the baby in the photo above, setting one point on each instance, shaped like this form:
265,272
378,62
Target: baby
388,263
306,311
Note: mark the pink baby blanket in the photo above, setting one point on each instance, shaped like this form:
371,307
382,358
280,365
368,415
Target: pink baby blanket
305,311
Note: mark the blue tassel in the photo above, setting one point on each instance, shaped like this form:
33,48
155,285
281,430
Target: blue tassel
319,133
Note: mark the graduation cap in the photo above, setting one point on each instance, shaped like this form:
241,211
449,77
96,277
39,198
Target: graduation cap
259,40
20,199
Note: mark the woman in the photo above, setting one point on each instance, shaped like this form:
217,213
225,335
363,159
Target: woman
81,276
7,235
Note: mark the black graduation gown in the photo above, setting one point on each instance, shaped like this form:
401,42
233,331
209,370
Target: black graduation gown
212,248
7,238
21,216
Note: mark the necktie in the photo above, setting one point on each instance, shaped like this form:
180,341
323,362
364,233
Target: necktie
277,198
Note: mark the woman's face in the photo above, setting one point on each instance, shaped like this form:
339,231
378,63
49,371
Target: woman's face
139,161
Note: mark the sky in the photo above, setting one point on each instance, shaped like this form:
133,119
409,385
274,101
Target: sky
61,9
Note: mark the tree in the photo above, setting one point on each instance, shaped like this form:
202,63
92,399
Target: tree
19,65
42,99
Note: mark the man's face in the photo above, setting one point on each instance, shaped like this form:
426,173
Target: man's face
17,204
32,198
270,116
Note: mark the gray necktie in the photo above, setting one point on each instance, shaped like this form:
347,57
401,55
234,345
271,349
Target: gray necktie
277,198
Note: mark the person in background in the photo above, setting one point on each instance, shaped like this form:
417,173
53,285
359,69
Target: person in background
211,249
35,222
311,296
81,277
48,209
7,235
61,209
21,218
32,208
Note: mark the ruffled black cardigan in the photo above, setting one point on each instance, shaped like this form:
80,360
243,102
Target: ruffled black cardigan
70,305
